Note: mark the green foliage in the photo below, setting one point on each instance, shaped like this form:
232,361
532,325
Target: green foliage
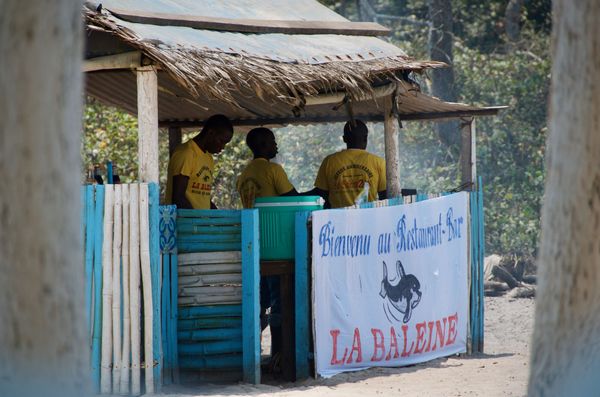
111,135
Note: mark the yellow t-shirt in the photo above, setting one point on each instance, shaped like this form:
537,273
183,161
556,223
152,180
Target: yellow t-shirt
261,178
343,175
189,160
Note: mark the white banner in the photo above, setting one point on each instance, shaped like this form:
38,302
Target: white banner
390,284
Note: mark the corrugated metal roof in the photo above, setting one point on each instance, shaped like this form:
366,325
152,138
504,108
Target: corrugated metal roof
241,9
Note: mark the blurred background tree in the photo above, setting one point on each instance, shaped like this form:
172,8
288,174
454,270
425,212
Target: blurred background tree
500,56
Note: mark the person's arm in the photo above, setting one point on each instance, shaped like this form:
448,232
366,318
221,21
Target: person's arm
180,183
213,206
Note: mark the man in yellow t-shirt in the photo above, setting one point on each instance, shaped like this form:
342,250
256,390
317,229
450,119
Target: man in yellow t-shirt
190,174
342,175
261,178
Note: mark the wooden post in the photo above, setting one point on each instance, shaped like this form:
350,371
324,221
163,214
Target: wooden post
302,298
468,170
250,298
174,139
147,102
392,160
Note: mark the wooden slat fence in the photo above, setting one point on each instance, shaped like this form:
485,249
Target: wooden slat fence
121,262
217,292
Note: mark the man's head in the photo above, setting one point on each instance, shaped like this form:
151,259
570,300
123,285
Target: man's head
262,143
355,135
216,133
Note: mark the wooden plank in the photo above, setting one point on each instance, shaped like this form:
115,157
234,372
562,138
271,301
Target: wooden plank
392,159
209,257
125,60
210,348
302,298
217,291
173,320
208,238
147,292
116,290
165,317
134,287
97,332
466,149
209,334
187,228
209,214
210,279
341,117
207,247
184,223
252,25
481,265
210,311
107,285
147,105
156,273
126,354
88,220
209,300
201,323
223,268
250,292
215,362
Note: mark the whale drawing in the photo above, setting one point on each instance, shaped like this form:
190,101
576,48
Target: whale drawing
403,291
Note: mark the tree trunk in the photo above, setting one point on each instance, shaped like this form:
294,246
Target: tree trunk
43,339
512,20
566,342
440,49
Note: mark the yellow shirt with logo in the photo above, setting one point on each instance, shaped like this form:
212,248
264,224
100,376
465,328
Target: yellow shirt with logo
343,175
261,178
189,160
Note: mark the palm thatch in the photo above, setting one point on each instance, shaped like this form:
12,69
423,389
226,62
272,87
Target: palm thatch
216,74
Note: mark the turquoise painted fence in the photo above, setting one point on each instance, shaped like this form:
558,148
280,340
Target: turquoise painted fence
217,328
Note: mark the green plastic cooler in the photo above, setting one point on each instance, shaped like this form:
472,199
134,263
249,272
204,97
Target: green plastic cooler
277,216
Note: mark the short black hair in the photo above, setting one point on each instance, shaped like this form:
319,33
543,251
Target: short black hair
255,135
218,122
358,129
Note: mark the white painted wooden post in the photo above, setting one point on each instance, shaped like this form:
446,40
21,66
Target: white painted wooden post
147,102
468,153
392,159
43,340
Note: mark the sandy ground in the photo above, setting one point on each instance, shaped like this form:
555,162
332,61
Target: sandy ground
501,371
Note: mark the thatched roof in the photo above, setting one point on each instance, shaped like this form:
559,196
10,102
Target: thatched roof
256,77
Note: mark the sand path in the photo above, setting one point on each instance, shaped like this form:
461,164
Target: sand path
501,371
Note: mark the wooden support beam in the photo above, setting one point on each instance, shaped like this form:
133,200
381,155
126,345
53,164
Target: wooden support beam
147,104
342,117
252,25
174,139
468,171
392,159
126,60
